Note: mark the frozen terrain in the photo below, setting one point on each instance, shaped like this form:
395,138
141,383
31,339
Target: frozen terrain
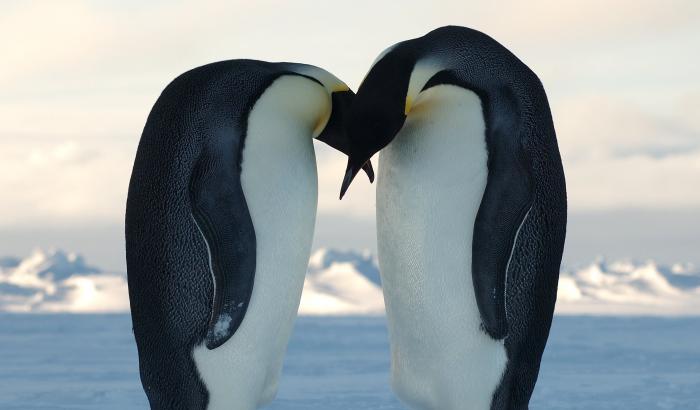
338,357
64,361
342,283
58,281
627,287
347,283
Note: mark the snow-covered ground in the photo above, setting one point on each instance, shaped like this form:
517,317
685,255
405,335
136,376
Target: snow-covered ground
347,283
64,361
338,357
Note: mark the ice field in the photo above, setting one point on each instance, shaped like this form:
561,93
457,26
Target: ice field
76,361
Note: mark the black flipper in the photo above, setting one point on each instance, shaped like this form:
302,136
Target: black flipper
334,132
506,201
221,213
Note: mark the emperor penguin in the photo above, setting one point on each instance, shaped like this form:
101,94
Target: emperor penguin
219,222
471,216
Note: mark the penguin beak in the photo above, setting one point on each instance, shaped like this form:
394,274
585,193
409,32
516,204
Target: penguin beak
334,131
367,167
351,171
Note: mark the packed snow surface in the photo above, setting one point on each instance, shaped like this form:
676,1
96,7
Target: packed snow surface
63,361
348,283
87,361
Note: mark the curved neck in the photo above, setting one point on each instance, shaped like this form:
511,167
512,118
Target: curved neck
422,72
330,82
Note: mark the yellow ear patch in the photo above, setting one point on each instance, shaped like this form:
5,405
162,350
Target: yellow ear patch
322,120
420,75
339,87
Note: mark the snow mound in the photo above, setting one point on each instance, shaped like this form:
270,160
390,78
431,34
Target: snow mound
57,281
629,287
347,283
341,283
337,283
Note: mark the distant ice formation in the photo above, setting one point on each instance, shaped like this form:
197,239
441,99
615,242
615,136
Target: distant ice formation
57,281
342,283
348,283
628,287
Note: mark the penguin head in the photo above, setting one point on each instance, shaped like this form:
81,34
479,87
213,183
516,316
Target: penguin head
379,109
331,129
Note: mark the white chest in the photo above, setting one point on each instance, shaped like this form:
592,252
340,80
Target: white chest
279,181
429,187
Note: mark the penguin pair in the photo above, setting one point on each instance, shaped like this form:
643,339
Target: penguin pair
471,213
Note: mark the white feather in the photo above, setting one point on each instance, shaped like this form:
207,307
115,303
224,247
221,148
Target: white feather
429,187
280,185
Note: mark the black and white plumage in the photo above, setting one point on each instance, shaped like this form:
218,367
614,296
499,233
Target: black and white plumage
219,222
471,216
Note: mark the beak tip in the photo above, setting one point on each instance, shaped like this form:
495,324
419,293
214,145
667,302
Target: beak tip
367,167
344,187
347,180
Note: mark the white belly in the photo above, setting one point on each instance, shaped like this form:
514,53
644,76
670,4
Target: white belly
430,184
279,181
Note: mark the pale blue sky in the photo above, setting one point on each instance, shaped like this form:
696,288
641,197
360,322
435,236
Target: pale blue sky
78,79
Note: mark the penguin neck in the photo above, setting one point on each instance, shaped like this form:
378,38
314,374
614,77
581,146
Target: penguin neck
399,79
284,105
385,87
330,82
420,75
